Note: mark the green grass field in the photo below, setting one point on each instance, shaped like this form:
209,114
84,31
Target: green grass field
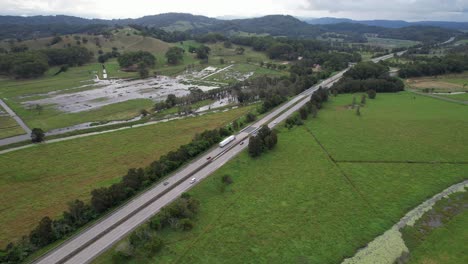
391,43
295,205
8,126
394,127
39,181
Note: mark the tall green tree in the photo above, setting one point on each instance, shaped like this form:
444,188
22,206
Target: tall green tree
37,135
174,55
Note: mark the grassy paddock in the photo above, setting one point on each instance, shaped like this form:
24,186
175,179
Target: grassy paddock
8,126
391,43
39,181
394,127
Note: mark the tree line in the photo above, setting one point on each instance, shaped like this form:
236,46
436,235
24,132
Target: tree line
311,108
31,64
266,139
433,66
367,76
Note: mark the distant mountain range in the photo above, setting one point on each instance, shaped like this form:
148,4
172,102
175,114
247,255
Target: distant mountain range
275,25
387,23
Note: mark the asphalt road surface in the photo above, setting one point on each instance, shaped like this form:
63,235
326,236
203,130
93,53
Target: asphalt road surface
20,122
91,242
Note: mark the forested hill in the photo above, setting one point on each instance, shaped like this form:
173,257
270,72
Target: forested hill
276,25
18,27
416,33
387,23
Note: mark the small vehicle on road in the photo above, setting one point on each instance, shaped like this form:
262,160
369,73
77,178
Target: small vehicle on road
193,180
208,158
242,143
166,183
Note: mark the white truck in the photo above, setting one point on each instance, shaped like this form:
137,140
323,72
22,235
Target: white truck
227,141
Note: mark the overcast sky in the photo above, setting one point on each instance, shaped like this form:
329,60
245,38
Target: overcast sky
411,10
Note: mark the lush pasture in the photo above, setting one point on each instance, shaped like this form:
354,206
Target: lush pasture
8,126
391,43
295,205
394,127
39,181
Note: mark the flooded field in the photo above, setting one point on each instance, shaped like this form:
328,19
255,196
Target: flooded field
119,90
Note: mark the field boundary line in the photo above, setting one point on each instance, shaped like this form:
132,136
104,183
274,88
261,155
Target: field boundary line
402,162
343,173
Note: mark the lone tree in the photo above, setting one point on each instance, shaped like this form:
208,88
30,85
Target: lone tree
358,110
37,135
203,52
354,102
255,146
171,100
372,94
226,179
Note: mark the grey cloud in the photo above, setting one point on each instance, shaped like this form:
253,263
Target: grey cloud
396,9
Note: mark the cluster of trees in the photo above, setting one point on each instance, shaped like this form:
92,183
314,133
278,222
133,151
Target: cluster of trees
30,64
137,60
210,38
129,59
73,56
367,76
202,52
433,66
266,139
103,57
175,55
144,242
381,85
80,213
367,70
196,95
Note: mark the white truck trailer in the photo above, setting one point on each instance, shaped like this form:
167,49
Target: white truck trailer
227,141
